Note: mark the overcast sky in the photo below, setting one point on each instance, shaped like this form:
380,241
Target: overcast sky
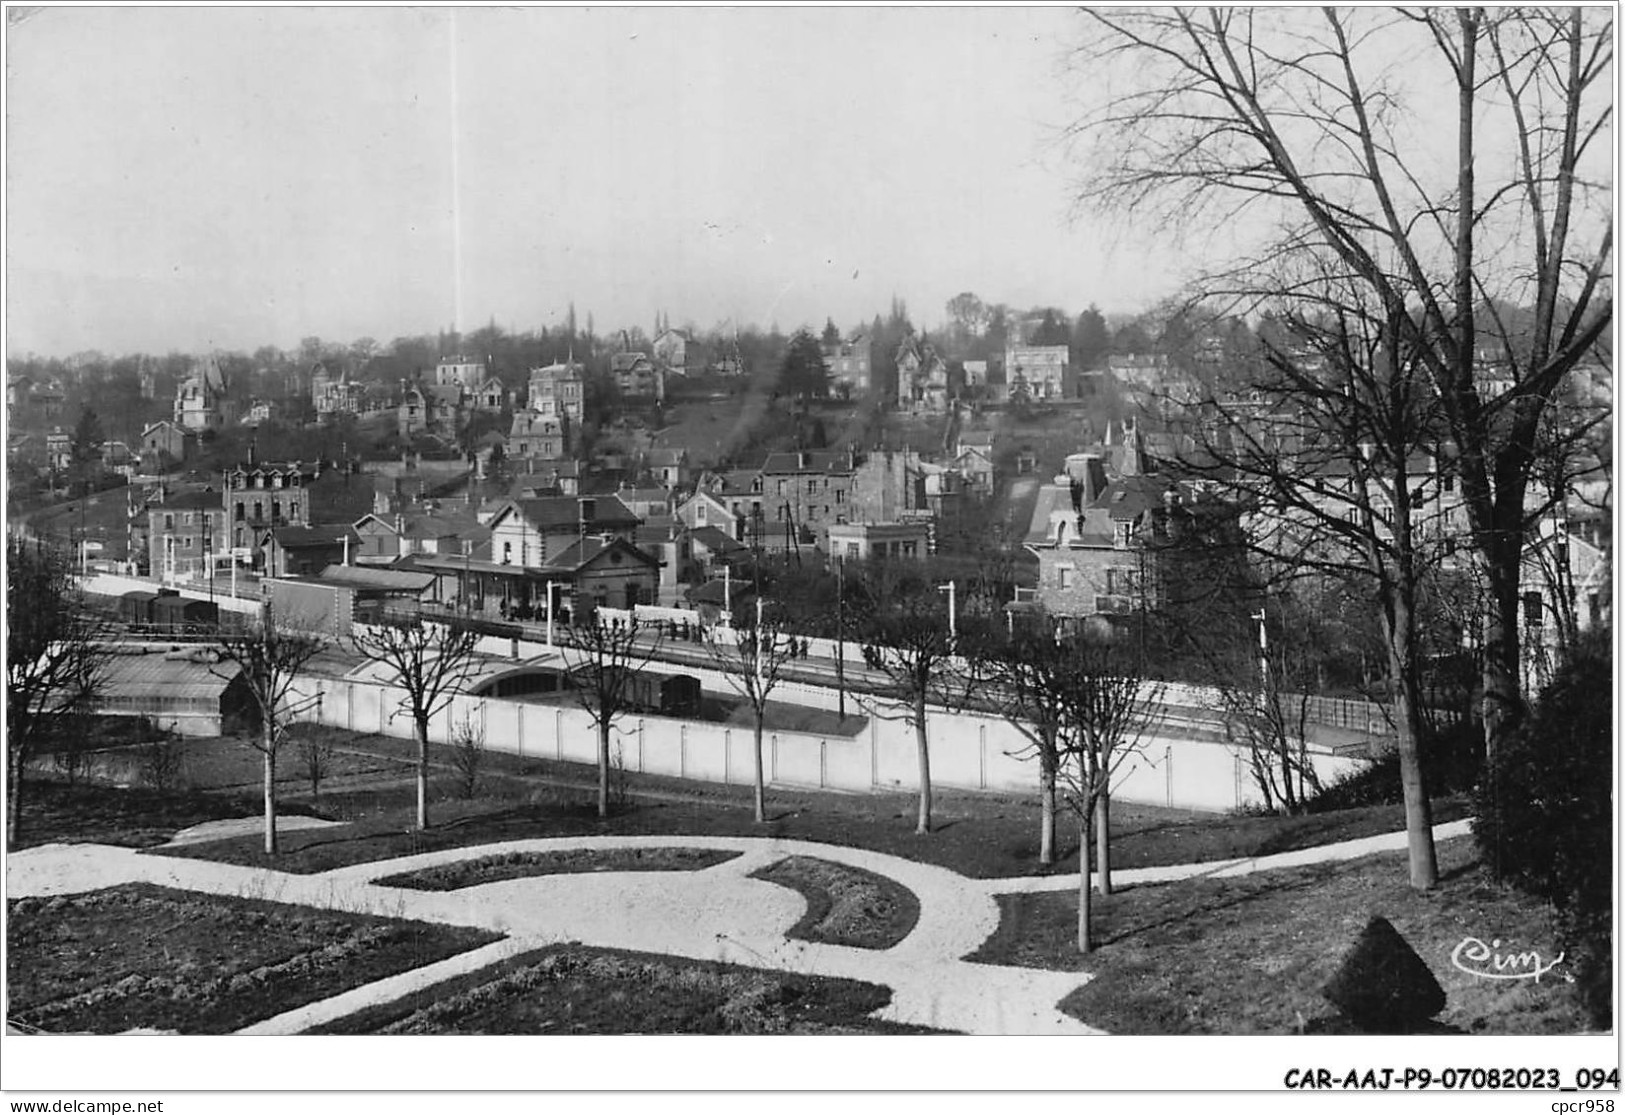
236,177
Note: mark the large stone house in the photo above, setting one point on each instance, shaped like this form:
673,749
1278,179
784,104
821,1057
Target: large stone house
535,438
637,377
849,364
433,409
558,390
460,371
184,533
200,401
922,377
1036,371
260,498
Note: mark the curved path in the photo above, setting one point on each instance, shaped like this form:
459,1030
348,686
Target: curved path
718,913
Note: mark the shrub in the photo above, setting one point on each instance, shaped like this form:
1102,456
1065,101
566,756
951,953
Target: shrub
1382,985
314,747
161,762
1545,812
467,755
1451,762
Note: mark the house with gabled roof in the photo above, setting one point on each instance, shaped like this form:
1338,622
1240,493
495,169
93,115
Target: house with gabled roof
534,438
637,377
527,531
669,467
704,509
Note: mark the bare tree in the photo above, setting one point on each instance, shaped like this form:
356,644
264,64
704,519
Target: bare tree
753,661
467,753
54,664
604,660
314,748
269,659
1105,706
910,644
1024,674
1295,132
430,661
1264,718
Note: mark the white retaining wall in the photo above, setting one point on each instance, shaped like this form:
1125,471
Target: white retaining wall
967,751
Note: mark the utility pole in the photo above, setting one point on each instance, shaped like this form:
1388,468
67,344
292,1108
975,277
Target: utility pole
840,634
760,647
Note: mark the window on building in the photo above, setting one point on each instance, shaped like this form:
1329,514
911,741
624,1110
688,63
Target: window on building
1533,614
812,486
259,511
908,549
276,510
784,487
239,512
1063,576
169,521
507,553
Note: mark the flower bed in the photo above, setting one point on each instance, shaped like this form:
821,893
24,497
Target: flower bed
525,865
573,989
845,905
143,956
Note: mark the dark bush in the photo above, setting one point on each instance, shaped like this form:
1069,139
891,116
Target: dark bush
1382,985
1546,812
1451,762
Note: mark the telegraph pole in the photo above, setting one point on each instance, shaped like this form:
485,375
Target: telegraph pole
840,633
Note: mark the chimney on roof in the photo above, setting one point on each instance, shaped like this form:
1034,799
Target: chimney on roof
588,509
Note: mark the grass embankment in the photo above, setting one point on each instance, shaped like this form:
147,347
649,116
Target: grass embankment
142,956
1249,955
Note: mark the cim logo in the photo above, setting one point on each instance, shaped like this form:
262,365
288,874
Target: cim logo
1476,958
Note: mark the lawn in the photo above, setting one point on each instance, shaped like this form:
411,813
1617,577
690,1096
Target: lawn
1249,955
573,989
575,861
56,813
980,835
845,905
142,956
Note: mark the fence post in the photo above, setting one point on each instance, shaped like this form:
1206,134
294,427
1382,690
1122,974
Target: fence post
981,756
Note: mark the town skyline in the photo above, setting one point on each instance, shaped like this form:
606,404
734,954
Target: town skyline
346,173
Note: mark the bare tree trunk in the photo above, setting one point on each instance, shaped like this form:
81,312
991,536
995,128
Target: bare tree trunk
761,789
1424,867
603,767
268,742
14,793
1084,943
422,725
1503,699
1103,838
1046,802
924,823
